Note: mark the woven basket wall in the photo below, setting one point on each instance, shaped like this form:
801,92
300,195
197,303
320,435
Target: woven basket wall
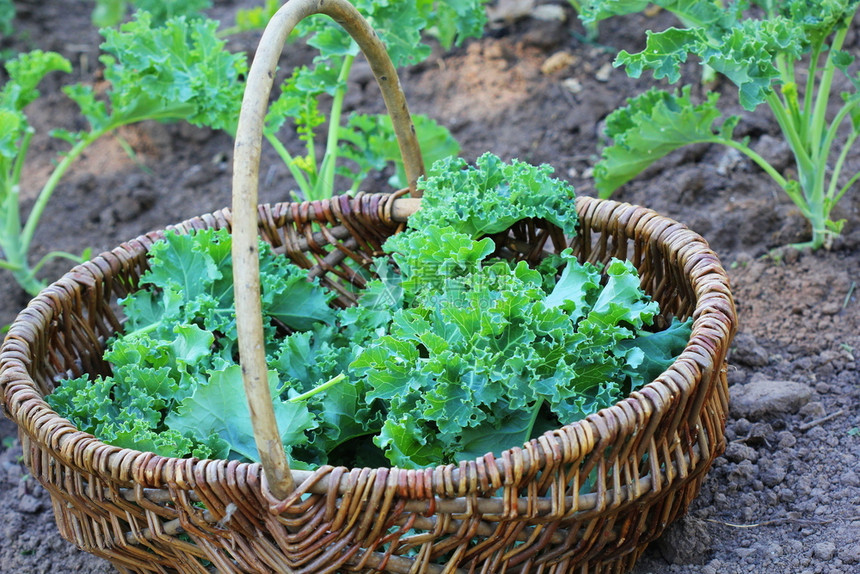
585,498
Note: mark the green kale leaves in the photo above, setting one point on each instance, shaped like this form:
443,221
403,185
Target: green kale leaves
452,352
492,195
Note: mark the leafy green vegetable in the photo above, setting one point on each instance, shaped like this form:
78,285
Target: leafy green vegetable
491,196
653,125
484,353
798,41
175,376
214,409
179,71
450,354
366,142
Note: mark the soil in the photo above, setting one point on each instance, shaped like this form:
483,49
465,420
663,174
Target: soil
785,497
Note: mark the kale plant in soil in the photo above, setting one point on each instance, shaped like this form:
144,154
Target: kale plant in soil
363,143
166,73
166,67
451,352
787,59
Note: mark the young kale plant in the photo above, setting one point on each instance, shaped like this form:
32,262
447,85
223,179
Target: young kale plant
312,98
366,142
788,59
452,352
179,70
176,72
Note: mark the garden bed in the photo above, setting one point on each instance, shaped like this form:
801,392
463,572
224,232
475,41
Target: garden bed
785,495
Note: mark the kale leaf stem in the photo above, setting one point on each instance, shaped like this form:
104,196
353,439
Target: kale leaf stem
325,185
822,98
291,164
319,388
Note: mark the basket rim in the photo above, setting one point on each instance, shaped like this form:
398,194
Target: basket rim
714,324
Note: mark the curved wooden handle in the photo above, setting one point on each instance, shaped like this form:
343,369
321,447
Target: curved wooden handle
246,165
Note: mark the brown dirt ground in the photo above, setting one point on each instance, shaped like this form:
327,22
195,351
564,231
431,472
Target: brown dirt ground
786,495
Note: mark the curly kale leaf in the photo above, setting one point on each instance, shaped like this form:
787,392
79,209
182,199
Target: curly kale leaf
175,365
434,256
652,125
691,13
492,195
119,416
307,362
399,24
25,72
218,407
744,49
482,354
177,71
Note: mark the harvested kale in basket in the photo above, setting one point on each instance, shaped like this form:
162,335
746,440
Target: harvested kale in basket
452,352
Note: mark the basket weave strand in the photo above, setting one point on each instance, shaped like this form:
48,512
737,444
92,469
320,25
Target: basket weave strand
533,509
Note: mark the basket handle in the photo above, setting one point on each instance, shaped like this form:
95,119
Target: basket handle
246,166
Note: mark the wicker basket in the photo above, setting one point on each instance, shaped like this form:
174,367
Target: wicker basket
587,497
